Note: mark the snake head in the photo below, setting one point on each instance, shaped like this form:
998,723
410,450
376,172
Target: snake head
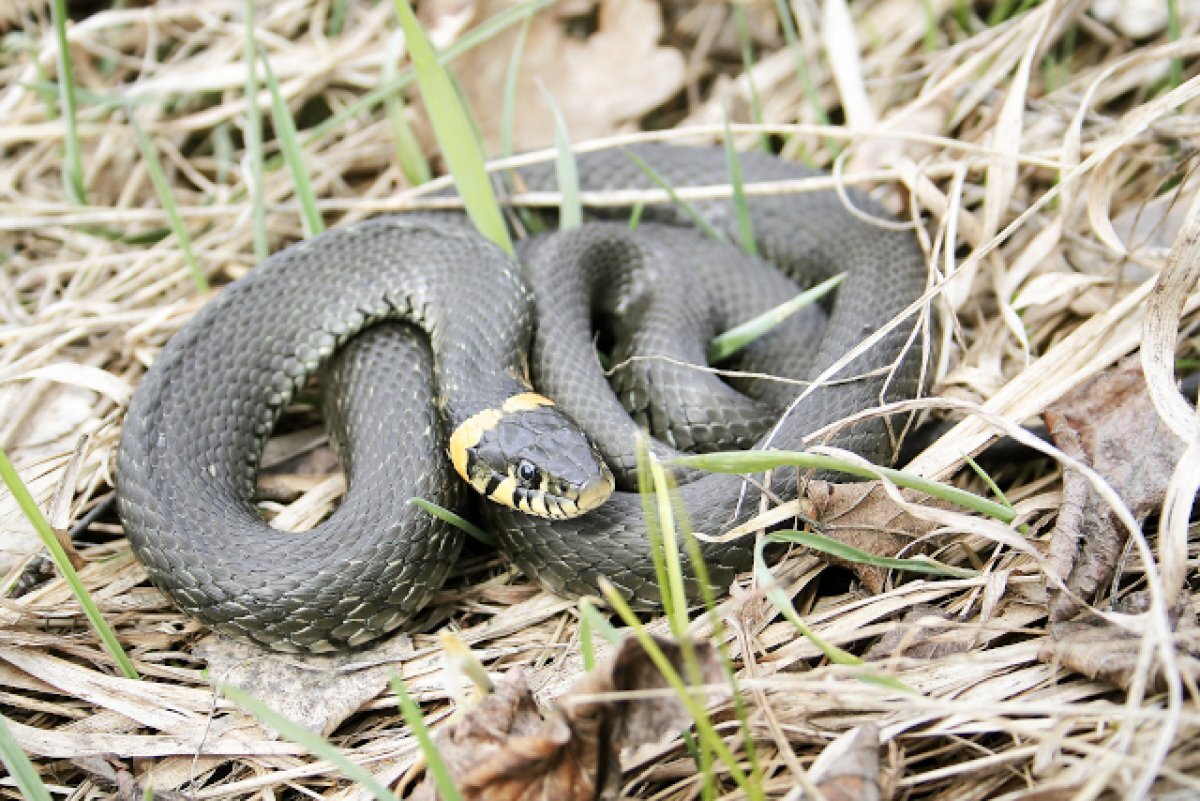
529,456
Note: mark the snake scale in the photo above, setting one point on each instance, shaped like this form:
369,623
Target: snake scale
429,342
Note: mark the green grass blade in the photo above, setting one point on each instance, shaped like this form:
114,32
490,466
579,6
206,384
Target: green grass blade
36,519
704,727
1174,32
337,18
758,461
725,345
254,140
307,739
163,189
455,132
653,526
635,215
23,774
987,479
447,790
508,111
442,513
597,622
687,208
408,151
837,656
740,207
570,211
788,25
741,27
72,153
674,586
293,154
840,550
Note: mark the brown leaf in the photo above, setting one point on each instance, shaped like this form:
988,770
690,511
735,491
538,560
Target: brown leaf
848,768
1100,650
920,635
864,516
1107,424
506,749
601,82
318,692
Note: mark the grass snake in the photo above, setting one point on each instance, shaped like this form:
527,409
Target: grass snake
429,341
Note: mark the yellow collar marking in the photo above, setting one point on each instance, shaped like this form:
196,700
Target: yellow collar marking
471,430
525,401
467,436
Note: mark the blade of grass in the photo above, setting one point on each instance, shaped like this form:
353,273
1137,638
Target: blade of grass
447,790
23,774
758,461
704,726
725,345
635,215
787,24
741,27
511,75
597,622
442,513
837,656
163,189
293,154
653,526
987,479
670,513
254,139
674,585
72,152
1174,32
36,519
455,132
717,625
308,739
832,547
741,209
570,212
687,208
408,151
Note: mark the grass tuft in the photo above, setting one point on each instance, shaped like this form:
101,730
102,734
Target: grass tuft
73,180
293,154
163,189
36,519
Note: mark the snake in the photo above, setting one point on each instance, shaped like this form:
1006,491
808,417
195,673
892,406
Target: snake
454,372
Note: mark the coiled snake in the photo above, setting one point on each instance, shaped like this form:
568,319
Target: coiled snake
426,334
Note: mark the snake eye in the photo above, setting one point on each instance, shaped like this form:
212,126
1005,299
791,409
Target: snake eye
526,471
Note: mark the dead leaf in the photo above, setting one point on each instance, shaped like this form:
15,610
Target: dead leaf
864,516
318,692
848,768
1107,424
601,82
925,632
507,749
1100,650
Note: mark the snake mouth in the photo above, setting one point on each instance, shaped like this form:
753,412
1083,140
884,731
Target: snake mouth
595,492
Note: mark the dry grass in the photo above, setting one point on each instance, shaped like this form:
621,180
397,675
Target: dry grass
1048,156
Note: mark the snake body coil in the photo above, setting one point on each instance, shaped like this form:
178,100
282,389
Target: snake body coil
372,301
